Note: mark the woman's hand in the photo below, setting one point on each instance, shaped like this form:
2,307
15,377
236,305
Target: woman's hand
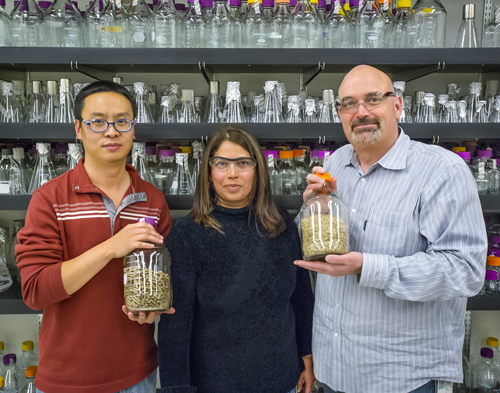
307,378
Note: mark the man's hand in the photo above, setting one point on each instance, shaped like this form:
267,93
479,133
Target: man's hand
307,378
336,265
139,235
145,317
316,183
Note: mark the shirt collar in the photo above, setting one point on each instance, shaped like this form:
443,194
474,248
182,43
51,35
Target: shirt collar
394,159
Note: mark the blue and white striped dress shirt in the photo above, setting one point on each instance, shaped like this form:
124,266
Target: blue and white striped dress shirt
417,219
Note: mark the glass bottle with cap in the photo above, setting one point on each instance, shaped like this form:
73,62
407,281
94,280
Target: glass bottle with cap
328,112
4,25
166,21
44,168
281,25
5,277
288,173
493,262
66,102
113,26
17,225
429,18
28,358
299,158
324,223
140,21
273,171
484,375
26,27
491,33
52,107
492,342
219,27
64,26
11,375
36,104
467,34
165,171
370,24
304,27
30,374
146,273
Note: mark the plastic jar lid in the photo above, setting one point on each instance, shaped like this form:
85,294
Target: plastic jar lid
27,345
30,371
492,342
492,260
326,176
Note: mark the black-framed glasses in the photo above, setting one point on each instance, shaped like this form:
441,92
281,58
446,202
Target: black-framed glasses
101,125
223,164
370,102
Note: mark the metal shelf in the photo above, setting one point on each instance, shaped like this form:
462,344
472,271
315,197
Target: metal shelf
156,132
11,302
486,303
245,60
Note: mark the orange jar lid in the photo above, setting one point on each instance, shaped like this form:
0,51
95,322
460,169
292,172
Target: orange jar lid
286,154
492,260
325,176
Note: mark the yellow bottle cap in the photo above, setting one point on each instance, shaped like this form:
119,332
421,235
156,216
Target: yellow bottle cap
314,1
326,176
27,345
286,154
347,7
2,346
341,12
492,342
456,149
492,260
30,371
187,149
1,382
404,4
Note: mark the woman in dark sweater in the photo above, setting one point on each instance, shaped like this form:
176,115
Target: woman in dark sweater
243,320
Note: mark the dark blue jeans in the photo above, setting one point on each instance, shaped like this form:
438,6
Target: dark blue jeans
427,388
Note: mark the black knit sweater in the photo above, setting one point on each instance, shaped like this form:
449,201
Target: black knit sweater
243,314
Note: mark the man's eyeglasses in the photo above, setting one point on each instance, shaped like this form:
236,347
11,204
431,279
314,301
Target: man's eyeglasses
223,164
371,102
101,125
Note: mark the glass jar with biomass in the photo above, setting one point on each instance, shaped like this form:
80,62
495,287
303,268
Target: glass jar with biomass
323,224
146,274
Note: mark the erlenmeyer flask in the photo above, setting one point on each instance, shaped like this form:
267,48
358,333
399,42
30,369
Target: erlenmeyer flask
481,114
495,112
65,102
310,111
187,113
429,103
429,18
36,104
451,113
463,116
399,87
167,113
64,27
213,109
199,108
474,97
198,148
442,109
272,108
75,152
52,106
141,99
233,110
294,115
175,94
5,278
452,89
370,24
11,175
182,183
4,25
77,88
10,109
44,168
408,105
139,161
328,112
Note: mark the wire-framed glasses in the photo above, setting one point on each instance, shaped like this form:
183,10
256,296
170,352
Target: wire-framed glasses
101,125
370,102
223,164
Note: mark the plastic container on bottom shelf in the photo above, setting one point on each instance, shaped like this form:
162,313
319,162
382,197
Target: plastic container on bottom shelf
28,358
147,277
490,287
484,375
29,386
493,263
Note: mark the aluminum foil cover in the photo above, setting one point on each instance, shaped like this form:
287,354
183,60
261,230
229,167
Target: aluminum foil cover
233,92
43,148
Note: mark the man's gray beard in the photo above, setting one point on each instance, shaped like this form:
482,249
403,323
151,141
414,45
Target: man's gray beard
366,138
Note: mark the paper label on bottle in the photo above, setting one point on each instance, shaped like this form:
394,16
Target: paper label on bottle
124,278
4,188
112,29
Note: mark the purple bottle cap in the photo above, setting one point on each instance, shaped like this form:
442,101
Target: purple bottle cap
44,4
24,5
151,220
485,153
166,153
150,150
180,7
235,3
267,3
293,3
329,7
491,275
61,148
207,3
322,3
321,154
9,358
353,3
2,3
272,153
342,1
487,353
464,154
190,1
495,240
314,153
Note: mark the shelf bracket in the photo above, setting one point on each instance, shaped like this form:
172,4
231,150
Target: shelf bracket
416,73
314,72
94,73
206,72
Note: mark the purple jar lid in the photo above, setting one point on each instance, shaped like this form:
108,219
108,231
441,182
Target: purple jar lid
267,3
314,153
495,240
235,3
180,7
61,148
342,1
166,153
150,150
487,353
491,275
293,3
2,3
44,4
485,153
24,5
7,359
151,220
353,3
207,3
322,3
464,154
272,153
321,154
494,252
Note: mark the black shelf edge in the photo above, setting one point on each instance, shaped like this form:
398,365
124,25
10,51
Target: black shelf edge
483,303
490,203
11,302
284,131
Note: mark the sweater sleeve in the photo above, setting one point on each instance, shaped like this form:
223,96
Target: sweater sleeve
174,331
39,255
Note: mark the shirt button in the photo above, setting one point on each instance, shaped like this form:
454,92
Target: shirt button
95,188
77,188
336,334
121,204
353,210
109,202
363,180
338,305
143,196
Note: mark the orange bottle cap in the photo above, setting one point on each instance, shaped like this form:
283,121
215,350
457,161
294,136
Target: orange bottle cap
492,260
326,176
30,371
298,152
286,154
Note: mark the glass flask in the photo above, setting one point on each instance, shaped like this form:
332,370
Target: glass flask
77,87
199,108
324,224
236,19
257,110
166,21
256,27
30,374
198,148
175,93
20,158
151,162
408,105
26,27
4,25
441,111
479,172
66,102
167,112
146,273
10,107
305,26
428,108
17,225
219,28
75,153
452,90
141,98
493,176
36,104
273,171
114,26
193,26
467,34
418,107
26,359
472,100
337,26
44,168
429,18
310,111
485,377
294,114
481,113
153,104
20,96
495,113
280,32
302,170
491,91
5,277
92,21
328,112
11,175
282,96
233,110
399,89
140,26
272,107
187,113
182,183
451,112
370,24
491,33
139,161
64,27
463,116
60,158
288,173
52,107
165,171
213,109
